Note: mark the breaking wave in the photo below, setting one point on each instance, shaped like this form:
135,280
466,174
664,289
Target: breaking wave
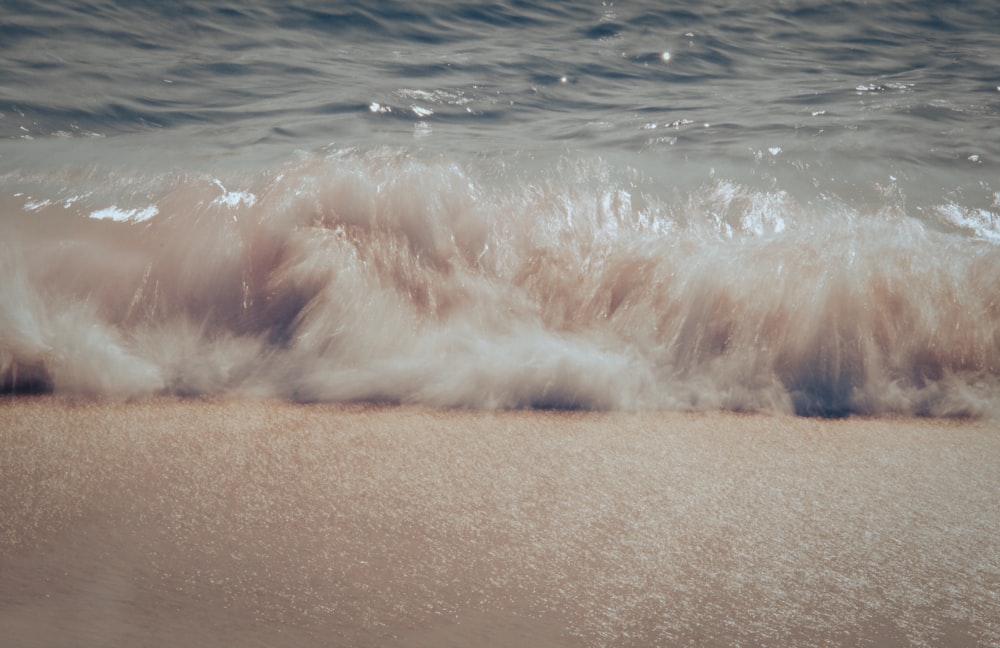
380,276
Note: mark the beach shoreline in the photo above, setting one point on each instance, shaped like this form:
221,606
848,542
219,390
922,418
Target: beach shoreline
243,522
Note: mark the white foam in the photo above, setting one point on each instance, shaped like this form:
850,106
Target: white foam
383,276
233,199
116,213
985,223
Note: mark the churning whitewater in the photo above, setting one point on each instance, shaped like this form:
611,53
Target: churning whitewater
384,276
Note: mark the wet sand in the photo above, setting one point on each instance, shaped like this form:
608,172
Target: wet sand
258,523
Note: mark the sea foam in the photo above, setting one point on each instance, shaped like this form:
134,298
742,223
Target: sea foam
381,276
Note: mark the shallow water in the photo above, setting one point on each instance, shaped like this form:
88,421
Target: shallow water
787,207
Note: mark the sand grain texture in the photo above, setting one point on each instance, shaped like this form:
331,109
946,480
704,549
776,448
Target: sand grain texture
257,523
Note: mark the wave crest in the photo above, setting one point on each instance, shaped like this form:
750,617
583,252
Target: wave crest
381,276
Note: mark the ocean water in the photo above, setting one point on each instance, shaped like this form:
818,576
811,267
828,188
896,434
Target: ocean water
786,206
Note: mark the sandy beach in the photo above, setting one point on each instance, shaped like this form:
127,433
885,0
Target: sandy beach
258,523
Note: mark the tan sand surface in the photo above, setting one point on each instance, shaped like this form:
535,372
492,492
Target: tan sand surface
259,523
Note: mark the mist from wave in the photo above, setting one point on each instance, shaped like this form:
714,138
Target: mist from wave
385,276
